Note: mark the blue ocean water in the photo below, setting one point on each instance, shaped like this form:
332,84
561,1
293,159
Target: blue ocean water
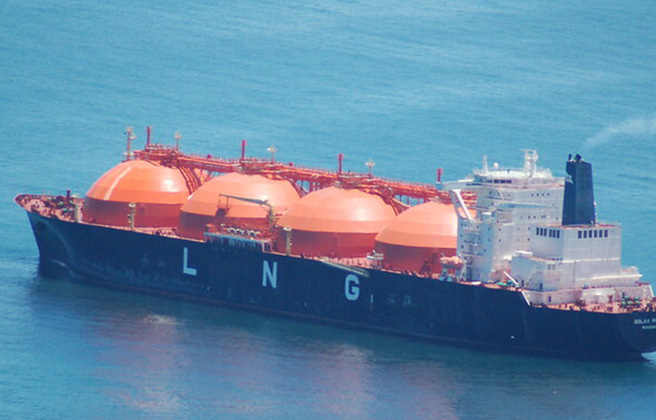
413,85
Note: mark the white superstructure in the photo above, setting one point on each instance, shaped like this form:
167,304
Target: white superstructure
516,236
577,264
510,204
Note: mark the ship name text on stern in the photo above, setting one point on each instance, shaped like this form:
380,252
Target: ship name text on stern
644,321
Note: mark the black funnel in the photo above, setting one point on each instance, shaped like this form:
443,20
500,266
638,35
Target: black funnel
578,205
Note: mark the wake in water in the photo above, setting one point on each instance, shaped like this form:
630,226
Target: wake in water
634,127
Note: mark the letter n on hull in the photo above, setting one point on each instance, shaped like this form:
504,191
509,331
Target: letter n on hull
269,275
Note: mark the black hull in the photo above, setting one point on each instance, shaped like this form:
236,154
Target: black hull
455,313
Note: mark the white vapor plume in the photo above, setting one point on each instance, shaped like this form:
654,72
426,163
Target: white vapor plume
632,127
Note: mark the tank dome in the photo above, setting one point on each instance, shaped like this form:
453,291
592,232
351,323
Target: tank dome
157,191
334,221
207,206
417,238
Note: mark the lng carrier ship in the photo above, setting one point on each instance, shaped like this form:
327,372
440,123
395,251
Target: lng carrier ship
508,260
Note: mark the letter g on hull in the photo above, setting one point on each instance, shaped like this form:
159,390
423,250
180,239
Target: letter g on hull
352,287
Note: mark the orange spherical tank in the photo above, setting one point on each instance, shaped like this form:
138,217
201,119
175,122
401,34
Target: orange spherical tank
417,238
208,205
334,221
158,193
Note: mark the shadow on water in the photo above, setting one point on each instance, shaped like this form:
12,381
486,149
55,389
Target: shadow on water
164,356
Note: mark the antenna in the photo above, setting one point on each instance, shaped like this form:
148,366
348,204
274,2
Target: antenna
148,130
530,160
340,160
370,164
272,149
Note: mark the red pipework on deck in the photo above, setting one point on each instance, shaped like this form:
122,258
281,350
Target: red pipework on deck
204,167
